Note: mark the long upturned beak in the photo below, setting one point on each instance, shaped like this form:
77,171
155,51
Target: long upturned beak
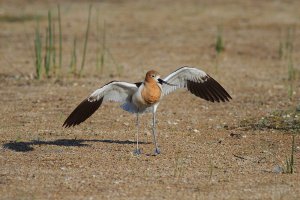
164,82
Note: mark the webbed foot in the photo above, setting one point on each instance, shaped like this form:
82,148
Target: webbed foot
137,152
156,151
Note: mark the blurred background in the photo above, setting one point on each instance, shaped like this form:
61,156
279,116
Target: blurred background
55,53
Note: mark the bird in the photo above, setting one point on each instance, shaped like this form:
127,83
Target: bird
145,96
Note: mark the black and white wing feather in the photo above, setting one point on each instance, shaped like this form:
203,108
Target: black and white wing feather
114,91
197,82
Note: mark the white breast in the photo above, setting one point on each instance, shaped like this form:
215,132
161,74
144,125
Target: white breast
137,98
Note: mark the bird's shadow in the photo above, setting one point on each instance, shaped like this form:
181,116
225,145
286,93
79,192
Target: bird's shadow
28,146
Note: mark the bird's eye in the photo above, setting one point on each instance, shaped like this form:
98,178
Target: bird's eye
152,75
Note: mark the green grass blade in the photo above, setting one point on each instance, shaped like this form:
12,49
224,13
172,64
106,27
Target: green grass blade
85,41
290,160
292,155
280,50
103,47
53,49
47,55
60,37
98,43
219,47
49,45
38,52
102,61
73,63
50,40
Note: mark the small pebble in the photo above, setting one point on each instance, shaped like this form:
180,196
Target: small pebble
278,169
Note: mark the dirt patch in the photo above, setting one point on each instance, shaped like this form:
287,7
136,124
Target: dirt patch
209,151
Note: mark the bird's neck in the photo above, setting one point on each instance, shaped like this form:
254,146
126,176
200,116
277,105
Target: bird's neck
151,92
149,81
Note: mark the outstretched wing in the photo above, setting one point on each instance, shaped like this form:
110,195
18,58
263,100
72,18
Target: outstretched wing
197,82
114,91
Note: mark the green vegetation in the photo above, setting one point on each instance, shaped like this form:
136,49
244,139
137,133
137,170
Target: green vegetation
290,162
98,50
53,50
219,46
101,55
280,49
38,52
48,56
103,49
86,40
285,52
280,120
73,63
18,18
100,46
60,37
49,45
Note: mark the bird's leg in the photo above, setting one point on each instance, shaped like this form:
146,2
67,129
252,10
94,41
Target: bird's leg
137,151
157,151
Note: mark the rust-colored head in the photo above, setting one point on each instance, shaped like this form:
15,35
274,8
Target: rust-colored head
151,91
152,75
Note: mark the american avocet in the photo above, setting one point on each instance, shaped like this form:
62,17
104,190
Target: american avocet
145,96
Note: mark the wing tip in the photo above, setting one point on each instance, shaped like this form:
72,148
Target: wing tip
68,124
209,89
218,89
82,112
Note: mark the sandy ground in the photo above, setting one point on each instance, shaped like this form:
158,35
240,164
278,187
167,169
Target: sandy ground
209,150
